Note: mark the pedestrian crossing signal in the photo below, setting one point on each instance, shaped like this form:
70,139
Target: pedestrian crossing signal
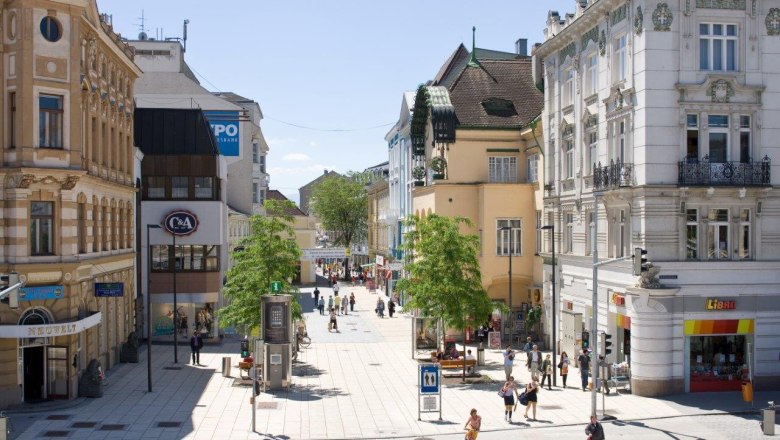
585,340
640,261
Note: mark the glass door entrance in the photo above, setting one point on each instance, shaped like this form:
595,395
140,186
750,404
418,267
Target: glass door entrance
57,366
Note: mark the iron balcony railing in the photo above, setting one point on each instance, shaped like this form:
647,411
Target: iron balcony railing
693,172
615,175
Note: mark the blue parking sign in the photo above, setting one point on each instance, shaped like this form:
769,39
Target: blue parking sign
429,379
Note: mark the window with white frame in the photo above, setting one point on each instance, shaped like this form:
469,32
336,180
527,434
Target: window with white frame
691,234
508,235
255,152
718,234
502,169
619,149
538,232
744,139
692,138
591,74
743,235
718,47
622,231
569,233
568,158
593,149
620,66
41,228
568,87
591,227
718,138
533,168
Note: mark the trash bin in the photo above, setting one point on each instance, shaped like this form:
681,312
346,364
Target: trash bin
480,355
768,419
747,391
226,367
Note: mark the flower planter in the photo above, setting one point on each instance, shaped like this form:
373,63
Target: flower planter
438,176
419,183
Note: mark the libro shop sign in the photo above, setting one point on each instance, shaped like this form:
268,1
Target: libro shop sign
719,304
181,223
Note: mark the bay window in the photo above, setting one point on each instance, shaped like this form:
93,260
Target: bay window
502,169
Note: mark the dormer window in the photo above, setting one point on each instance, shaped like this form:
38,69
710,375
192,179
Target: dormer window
499,107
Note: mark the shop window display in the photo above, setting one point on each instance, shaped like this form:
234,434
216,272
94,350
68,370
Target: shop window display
718,363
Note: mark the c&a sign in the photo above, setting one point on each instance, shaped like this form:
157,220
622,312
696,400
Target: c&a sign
719,304
181,222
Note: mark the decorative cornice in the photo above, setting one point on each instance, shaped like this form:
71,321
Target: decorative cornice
619,14
772,22
721,4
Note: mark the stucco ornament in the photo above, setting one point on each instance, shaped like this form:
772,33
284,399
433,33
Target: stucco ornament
662,18
773,22
649,278
720,91
603,43
639,19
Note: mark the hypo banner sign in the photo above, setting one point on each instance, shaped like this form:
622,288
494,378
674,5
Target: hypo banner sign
225,126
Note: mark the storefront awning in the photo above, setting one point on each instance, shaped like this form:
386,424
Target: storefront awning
49,330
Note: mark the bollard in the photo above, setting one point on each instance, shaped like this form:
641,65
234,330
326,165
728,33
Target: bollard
480,355
226,367
768,419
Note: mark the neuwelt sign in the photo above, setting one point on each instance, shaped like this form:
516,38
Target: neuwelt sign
181,222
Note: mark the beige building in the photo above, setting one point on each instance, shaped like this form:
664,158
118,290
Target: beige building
380,229
305,235
66,196
477,157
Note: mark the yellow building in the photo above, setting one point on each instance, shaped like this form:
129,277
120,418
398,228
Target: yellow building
305,236
67,196
477,157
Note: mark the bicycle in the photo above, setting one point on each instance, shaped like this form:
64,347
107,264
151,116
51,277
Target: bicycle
304,340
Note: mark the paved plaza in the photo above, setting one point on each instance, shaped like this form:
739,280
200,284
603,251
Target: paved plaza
359,383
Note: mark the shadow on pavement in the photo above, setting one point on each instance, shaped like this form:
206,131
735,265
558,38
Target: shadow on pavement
307,393
302,369
674,435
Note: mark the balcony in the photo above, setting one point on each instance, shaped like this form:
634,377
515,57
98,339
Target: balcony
705,173
615,175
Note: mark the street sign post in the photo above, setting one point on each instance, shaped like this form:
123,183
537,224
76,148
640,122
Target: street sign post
429,386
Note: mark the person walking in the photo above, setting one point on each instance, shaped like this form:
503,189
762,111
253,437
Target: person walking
509,392
196,343
531,391
534,359
330,303
352,301
337,302
604,373
527,347
563,365
509,361
316,296
594,430
344,305
332,323
472,426
391,307
321,305
380,307
336,287
583,360
547,372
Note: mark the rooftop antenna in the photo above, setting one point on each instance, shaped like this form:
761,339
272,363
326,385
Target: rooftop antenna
184,36
142,28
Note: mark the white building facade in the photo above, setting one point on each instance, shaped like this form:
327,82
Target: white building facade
667,111
399,203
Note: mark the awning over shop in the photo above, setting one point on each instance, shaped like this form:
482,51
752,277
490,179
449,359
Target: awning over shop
49,330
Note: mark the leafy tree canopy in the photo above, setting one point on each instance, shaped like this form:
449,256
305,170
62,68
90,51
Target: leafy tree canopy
269,254
341,203
444,276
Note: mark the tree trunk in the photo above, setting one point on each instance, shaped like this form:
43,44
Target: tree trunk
463,379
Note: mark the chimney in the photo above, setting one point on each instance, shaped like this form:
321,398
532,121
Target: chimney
325,172
521,47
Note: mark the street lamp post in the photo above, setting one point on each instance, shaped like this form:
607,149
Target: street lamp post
149,305
175,309
551,228
511,313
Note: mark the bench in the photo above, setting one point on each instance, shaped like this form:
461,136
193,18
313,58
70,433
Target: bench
461,354
454,364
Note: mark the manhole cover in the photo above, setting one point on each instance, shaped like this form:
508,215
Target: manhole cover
113,427
171,368
58,417
267,405
169,424
83,425
56,433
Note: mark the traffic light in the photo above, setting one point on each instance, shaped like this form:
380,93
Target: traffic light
640,261
605,344
585,340
7,281
244,348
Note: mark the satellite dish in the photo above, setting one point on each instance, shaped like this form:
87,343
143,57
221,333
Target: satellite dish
142,36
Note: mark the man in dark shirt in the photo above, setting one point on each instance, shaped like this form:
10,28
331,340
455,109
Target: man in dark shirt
584,362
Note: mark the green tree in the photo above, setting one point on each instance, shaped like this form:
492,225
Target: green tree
444,278
341,204
268,254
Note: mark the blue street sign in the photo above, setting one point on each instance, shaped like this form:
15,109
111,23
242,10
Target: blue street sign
110,289
429,379
225,125
40,292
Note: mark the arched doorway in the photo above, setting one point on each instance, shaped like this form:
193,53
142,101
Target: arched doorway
33,356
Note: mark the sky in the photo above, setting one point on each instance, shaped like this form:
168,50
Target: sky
328,75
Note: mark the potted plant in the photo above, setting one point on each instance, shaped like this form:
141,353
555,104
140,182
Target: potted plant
438,165
419,175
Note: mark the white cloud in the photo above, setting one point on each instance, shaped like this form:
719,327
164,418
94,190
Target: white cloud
296,157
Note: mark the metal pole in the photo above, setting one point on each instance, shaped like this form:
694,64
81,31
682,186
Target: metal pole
554,320
254,384
148,308
175,309
594,325
511,312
